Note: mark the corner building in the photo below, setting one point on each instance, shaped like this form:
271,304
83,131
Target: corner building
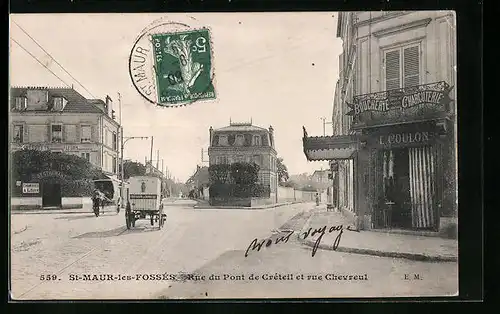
244,142
394,125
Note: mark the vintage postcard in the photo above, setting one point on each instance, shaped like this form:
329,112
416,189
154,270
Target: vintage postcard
233,155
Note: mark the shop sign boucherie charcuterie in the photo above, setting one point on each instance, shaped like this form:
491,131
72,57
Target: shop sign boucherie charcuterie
436,94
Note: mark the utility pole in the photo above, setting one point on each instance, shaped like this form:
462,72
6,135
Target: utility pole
151,155
158,159
122,171
324,124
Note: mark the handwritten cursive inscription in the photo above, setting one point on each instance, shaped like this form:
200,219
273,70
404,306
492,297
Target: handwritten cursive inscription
321,231
258,245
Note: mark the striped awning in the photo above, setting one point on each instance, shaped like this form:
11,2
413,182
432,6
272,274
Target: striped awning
322,148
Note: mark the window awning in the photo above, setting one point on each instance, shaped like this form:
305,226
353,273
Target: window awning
321,148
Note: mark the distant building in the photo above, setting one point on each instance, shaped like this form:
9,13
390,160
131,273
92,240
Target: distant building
200,178
322,176
61,120
244,142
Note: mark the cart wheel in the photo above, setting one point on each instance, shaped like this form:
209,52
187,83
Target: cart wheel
127,220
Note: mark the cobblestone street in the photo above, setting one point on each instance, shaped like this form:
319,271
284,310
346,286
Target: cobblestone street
71,245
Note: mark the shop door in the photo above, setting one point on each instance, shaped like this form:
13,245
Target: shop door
423,187
396,180
51,195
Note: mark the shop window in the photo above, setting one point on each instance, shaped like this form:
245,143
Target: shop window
56,133
402,67
18,133
86,156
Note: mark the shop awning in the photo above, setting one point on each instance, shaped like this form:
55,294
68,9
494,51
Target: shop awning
321,148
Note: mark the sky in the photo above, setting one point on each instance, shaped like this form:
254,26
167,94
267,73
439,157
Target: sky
276,69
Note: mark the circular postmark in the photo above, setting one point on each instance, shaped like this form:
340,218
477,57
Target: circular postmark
171,63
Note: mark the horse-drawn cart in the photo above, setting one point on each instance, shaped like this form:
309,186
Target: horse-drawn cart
144,201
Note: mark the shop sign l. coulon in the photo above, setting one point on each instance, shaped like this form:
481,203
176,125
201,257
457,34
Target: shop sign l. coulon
434,94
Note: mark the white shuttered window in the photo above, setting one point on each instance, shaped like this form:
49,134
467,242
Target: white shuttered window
402,67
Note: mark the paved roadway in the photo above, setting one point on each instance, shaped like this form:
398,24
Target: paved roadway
201,242
67,245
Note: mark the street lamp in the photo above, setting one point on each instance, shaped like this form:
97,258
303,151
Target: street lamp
123,141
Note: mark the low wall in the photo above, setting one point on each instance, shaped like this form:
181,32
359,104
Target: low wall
262,201
36,202
219,201
286,194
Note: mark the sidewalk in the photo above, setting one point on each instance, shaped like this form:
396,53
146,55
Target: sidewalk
86,209
414,247
206,205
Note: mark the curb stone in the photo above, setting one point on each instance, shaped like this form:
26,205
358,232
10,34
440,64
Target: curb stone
361,251
244,207
410,256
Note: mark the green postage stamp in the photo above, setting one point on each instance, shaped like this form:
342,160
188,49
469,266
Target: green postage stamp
183,66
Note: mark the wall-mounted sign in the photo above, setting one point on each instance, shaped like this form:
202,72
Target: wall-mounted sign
49,174
392,139
58,147
31,188
402,104
35,146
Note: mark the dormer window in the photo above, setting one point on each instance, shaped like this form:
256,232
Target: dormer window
59,103
240,140
257,140
223,140
21,103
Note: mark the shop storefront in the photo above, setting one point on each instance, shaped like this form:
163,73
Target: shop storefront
404,158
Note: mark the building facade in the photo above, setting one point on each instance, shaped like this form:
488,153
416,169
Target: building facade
394,125
62,120
244,142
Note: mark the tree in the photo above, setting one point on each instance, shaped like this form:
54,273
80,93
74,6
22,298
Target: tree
282,170
133,168
26,163
219,173
75,174
244,173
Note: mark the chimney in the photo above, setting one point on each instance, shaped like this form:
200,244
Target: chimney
109,105
211,130
271,135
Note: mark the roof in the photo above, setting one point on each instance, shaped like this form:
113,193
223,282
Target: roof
240,127
76,102
321,172
201,175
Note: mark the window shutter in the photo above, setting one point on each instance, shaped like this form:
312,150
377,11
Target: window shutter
411,66
392,70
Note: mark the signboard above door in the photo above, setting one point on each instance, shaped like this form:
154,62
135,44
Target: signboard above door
415,103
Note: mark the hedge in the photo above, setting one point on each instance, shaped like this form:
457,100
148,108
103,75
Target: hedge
239,190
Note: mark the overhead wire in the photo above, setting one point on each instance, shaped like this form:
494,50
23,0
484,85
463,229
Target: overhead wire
60,65
33,56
